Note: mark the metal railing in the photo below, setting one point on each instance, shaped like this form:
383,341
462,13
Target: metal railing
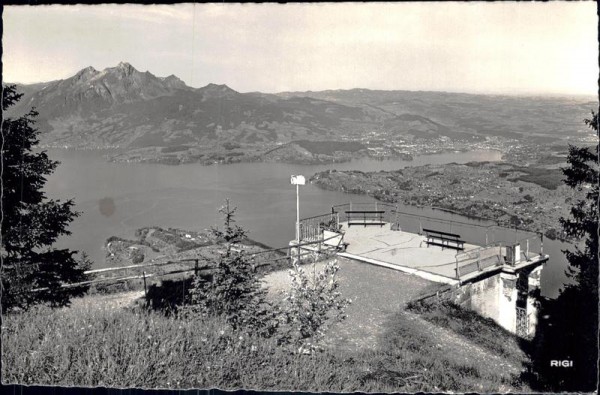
532,246
311,228
484,234
478,259
479,234
387,216
498,254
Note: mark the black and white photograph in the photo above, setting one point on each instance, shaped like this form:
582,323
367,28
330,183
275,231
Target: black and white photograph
385,197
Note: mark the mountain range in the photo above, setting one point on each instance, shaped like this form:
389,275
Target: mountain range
123,107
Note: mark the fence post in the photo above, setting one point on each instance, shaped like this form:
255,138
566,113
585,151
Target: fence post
541,243
527,250
479,259
420,227
457,270
145,290
195,267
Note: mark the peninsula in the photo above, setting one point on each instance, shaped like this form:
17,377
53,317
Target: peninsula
531,198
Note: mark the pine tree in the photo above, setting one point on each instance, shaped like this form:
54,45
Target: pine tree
571,333
577,304
32,271
581,174
234,290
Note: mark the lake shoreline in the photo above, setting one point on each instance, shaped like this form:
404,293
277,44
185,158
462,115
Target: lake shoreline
467,190
124,159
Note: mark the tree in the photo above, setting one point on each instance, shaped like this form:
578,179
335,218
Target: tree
234,290
571,332
32,271
578,301
582,174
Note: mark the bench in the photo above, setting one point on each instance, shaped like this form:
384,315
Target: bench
365,218
444,239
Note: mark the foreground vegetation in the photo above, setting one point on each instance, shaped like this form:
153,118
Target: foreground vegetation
93,345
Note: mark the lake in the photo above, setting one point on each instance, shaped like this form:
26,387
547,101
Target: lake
188,197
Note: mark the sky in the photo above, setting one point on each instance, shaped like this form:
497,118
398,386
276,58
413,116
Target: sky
488,47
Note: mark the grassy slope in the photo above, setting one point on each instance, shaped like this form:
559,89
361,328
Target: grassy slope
490,347
97,343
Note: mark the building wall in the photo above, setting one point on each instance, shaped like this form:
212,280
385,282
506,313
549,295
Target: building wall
498,297
481,296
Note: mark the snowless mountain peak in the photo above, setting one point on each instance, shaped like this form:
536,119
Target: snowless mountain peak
124,68
217,91
85,74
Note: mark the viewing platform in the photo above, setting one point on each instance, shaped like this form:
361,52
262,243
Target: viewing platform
437,250
410,253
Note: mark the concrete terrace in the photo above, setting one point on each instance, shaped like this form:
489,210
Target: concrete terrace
407,252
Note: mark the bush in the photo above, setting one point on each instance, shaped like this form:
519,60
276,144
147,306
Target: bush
137,255
310,306
169,295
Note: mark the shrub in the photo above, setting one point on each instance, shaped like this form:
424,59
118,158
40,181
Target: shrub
311,306
137,255
169,295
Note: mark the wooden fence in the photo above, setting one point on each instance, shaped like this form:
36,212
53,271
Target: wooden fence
196,265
